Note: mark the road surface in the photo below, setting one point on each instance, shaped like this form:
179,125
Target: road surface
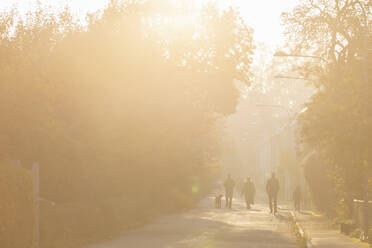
207,227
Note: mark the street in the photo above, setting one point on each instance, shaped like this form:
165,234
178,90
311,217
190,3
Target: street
207,227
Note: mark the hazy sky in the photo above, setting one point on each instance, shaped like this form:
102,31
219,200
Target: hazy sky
262,15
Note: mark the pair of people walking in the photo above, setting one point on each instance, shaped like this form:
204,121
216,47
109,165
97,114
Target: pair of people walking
248,191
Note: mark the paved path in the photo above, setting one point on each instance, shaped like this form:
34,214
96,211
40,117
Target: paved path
206,227
322,236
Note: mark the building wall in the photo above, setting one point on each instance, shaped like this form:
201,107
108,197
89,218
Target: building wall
278,154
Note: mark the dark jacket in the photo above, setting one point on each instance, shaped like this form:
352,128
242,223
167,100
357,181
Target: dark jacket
297,196
249,191
272,186
229,186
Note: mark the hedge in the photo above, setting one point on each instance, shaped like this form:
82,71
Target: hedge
16,207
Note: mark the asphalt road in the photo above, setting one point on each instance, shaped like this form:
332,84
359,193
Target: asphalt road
207,227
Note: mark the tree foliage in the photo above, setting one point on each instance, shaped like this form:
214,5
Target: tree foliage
337,123
124,104
332,28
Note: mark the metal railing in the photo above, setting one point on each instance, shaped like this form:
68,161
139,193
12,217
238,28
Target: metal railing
362,216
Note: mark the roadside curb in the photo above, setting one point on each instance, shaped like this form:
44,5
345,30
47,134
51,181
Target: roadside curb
301,231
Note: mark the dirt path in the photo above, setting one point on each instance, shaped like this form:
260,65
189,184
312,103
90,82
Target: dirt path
206,227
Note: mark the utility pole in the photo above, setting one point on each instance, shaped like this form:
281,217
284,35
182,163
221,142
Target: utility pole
35,172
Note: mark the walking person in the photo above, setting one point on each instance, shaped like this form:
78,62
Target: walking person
249,192
229,185
272,189
297,198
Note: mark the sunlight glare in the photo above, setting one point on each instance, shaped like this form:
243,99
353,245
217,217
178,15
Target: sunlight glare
263,16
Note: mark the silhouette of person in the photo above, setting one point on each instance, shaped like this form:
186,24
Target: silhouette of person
272,189
229,185
297,197
249,192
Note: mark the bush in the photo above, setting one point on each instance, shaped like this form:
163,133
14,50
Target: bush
75,224
316,174
349,227
16,207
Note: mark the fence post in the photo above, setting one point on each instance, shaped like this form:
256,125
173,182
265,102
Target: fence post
365,210
35,172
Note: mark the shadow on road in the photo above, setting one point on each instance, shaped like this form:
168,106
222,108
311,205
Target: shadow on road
206,227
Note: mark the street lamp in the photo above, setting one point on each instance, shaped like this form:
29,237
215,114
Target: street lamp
51,203
289,77
281,76
284,54
275,106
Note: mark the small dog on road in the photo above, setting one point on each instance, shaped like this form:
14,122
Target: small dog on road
218,201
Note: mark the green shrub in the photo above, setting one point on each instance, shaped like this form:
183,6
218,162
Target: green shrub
73,224
16,207
356,233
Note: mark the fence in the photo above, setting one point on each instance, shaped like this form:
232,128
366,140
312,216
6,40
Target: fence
362,216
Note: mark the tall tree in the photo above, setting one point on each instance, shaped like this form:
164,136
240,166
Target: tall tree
337,123
124,105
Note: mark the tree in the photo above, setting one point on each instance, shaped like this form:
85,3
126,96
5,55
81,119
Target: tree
125,105
333,28
337,123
